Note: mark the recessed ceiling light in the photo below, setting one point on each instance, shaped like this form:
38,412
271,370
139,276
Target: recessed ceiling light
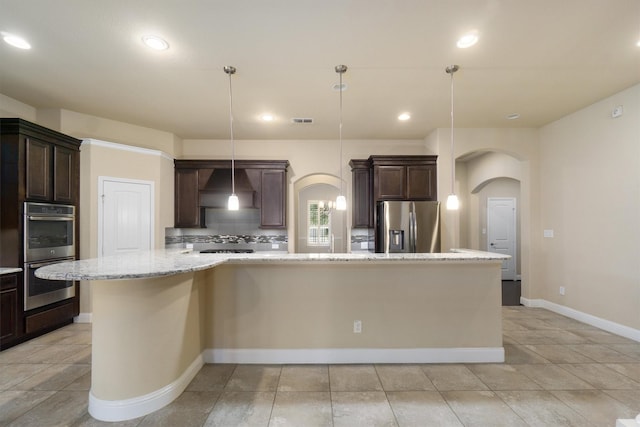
15,41
155,42
404,117
513,116
267,117
467,40
638,43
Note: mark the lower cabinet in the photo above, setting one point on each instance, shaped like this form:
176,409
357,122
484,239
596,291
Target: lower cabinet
8,308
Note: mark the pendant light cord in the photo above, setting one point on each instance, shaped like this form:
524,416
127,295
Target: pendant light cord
231,70
453,160
340,132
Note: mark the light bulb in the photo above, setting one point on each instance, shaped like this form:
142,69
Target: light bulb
341,203
452,202
234,203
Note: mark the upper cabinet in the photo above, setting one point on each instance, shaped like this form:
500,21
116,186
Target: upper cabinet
186,206
404,178
390,178
259,184
361,202
273,184
50,161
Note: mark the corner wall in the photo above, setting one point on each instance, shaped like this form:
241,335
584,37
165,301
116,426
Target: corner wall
590,198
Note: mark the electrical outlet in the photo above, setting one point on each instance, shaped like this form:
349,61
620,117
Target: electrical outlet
561,290
357,326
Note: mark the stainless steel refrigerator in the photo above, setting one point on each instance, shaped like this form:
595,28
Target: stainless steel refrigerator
407,227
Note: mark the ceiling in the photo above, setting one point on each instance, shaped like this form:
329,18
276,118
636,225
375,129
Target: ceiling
542,59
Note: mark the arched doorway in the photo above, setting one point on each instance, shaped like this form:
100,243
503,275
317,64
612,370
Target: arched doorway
487,176
319,228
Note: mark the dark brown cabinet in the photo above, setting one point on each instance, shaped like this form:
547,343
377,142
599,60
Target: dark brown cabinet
37,165
404,178
259,184
390,178
362,212
38,161
65,175
187,209
51,172
8,308
273,198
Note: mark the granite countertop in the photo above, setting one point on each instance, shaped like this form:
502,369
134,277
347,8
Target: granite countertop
166,262
5,270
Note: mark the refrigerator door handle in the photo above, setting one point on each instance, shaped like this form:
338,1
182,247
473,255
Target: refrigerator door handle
412,232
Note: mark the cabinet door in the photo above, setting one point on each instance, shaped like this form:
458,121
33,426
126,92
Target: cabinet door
390,183
38,155
421,182
362,211
273,197
8,308
187,210
64,175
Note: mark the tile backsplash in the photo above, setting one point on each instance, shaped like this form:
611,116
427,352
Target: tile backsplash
229,230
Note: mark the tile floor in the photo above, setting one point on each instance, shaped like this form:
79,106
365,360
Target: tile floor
558,372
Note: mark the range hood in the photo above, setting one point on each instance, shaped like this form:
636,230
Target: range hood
215,193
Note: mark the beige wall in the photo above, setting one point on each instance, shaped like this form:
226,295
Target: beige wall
514,154
313,305
100,159
590,197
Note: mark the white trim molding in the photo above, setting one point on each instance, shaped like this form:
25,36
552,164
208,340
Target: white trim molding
124,147
121,410
355,355
83,318
606,325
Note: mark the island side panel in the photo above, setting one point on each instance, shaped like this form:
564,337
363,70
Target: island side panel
146,333
313,306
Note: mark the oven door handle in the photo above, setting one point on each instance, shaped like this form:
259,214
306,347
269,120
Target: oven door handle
45,263
50,218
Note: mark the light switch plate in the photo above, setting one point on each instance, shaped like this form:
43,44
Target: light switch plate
548,233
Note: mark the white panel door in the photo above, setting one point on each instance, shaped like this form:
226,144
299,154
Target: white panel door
125,219
501,232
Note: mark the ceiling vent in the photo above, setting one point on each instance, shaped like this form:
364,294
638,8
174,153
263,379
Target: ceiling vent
304,120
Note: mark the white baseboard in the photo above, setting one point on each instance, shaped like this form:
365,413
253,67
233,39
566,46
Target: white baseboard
607,325
121,410
83,318
355,355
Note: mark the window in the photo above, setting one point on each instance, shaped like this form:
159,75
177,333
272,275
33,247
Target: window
318,224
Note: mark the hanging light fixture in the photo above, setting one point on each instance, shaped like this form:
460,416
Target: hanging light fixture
341,201
452,200
234,203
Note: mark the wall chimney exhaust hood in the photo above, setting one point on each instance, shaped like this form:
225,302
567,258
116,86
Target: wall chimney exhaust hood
215,193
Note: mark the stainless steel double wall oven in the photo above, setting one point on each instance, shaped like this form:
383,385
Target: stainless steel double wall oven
49,238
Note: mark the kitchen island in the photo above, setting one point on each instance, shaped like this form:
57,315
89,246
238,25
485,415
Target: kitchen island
159,316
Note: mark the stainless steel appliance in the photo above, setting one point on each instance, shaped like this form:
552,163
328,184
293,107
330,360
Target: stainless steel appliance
49,238
407,226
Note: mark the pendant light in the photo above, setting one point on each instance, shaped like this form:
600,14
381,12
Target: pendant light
234,203
452,200
341,201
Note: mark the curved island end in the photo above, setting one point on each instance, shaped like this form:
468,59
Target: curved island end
159,316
